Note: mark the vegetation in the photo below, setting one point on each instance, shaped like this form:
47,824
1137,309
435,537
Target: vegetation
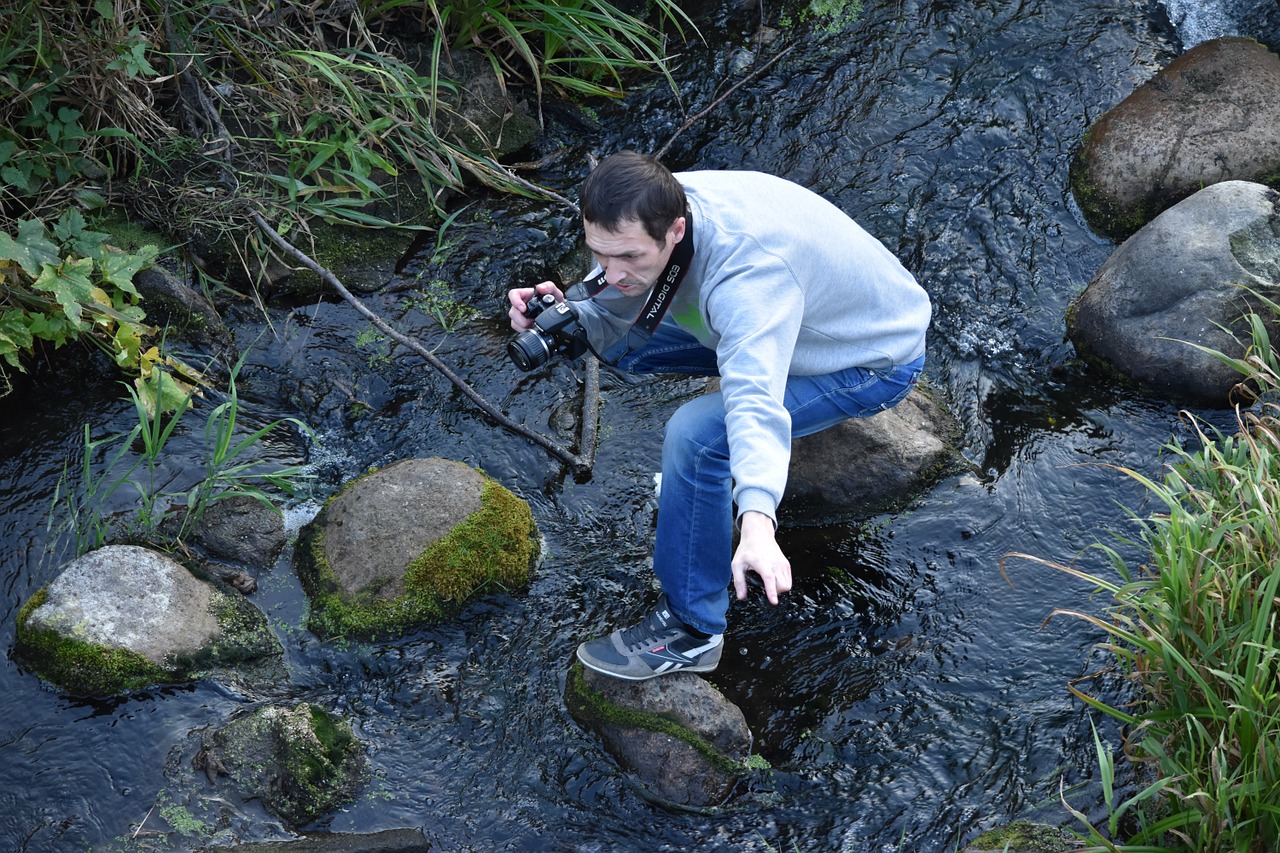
1197,631
195,113
135,461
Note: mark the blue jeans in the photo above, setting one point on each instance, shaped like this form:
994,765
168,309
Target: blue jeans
694,546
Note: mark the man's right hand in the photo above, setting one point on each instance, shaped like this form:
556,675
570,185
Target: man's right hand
519,299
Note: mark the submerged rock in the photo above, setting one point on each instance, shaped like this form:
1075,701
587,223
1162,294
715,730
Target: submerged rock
124,617
1024,837
1212,115
300,762
682,741
408,544
1177,285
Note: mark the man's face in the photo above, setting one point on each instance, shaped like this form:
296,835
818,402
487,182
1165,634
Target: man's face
630,258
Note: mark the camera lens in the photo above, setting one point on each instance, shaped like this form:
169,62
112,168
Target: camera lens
529,350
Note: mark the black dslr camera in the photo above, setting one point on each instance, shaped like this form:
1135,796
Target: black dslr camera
555,331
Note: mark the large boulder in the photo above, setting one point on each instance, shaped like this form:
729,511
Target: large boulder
864,466
1176,285
408,544
681,740
1211,115
124,617
299,761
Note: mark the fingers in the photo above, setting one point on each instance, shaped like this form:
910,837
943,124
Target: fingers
775,576
520,298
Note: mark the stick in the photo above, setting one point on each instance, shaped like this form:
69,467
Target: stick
580,464
701,114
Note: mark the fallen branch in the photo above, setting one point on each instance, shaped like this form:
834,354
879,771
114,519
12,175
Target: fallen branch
579,464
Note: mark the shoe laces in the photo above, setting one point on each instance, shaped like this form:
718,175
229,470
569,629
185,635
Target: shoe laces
648,631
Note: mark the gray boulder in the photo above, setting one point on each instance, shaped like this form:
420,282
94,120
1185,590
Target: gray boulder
682,741
1212,115
1175,283
864,466
408,544
125,617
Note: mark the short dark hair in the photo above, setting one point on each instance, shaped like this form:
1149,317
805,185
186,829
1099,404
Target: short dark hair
628,186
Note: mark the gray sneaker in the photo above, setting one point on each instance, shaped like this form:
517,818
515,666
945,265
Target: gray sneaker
659,645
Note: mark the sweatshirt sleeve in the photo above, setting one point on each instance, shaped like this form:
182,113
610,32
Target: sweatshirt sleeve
757,316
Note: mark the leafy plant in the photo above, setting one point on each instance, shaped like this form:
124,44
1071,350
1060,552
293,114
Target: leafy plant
68,284
1198,631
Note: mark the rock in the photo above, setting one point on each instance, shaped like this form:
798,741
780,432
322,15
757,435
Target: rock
125,617
864,466
387,841
300,762
1211,115
408,544
173,303
677,735
1024,837
243,530
1173,284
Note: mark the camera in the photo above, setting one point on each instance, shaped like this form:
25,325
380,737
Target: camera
555,331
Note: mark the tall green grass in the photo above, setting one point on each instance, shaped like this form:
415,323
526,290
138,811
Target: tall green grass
1198,631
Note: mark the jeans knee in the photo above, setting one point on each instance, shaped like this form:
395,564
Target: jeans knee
697,428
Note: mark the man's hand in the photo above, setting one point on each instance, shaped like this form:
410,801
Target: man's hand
519,299
758,552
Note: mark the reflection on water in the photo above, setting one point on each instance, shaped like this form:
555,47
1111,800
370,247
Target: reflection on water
906,695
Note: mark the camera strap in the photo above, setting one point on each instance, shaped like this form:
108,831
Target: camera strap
662,294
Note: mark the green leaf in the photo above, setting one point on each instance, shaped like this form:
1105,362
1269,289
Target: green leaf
32,250
119,268
69,284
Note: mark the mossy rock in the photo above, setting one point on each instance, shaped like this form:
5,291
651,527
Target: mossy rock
300,761
409,544
682,741
1024,837
124,617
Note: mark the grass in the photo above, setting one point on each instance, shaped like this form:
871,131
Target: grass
1197,630
136,463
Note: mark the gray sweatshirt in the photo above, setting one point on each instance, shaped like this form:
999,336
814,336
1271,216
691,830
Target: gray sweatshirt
781,283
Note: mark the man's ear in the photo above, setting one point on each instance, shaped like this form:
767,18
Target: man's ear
676,232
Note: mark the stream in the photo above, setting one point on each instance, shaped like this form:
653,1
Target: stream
906,695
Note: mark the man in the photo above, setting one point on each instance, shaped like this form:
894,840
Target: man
806,319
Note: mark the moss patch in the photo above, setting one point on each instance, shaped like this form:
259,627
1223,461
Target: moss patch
494,548
1024,837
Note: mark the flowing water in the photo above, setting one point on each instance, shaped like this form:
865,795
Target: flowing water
905,694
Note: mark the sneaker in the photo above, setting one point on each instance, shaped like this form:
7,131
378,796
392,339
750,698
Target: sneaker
659,645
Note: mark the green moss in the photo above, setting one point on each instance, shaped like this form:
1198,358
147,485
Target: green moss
124,233
81,668
591,704
1024,836
494,547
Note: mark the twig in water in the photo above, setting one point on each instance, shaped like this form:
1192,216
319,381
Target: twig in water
703,113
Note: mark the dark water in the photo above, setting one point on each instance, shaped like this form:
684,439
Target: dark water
905,694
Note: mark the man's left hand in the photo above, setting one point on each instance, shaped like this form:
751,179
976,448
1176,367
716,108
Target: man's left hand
758,552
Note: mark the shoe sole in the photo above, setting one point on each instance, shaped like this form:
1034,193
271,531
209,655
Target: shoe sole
615,674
